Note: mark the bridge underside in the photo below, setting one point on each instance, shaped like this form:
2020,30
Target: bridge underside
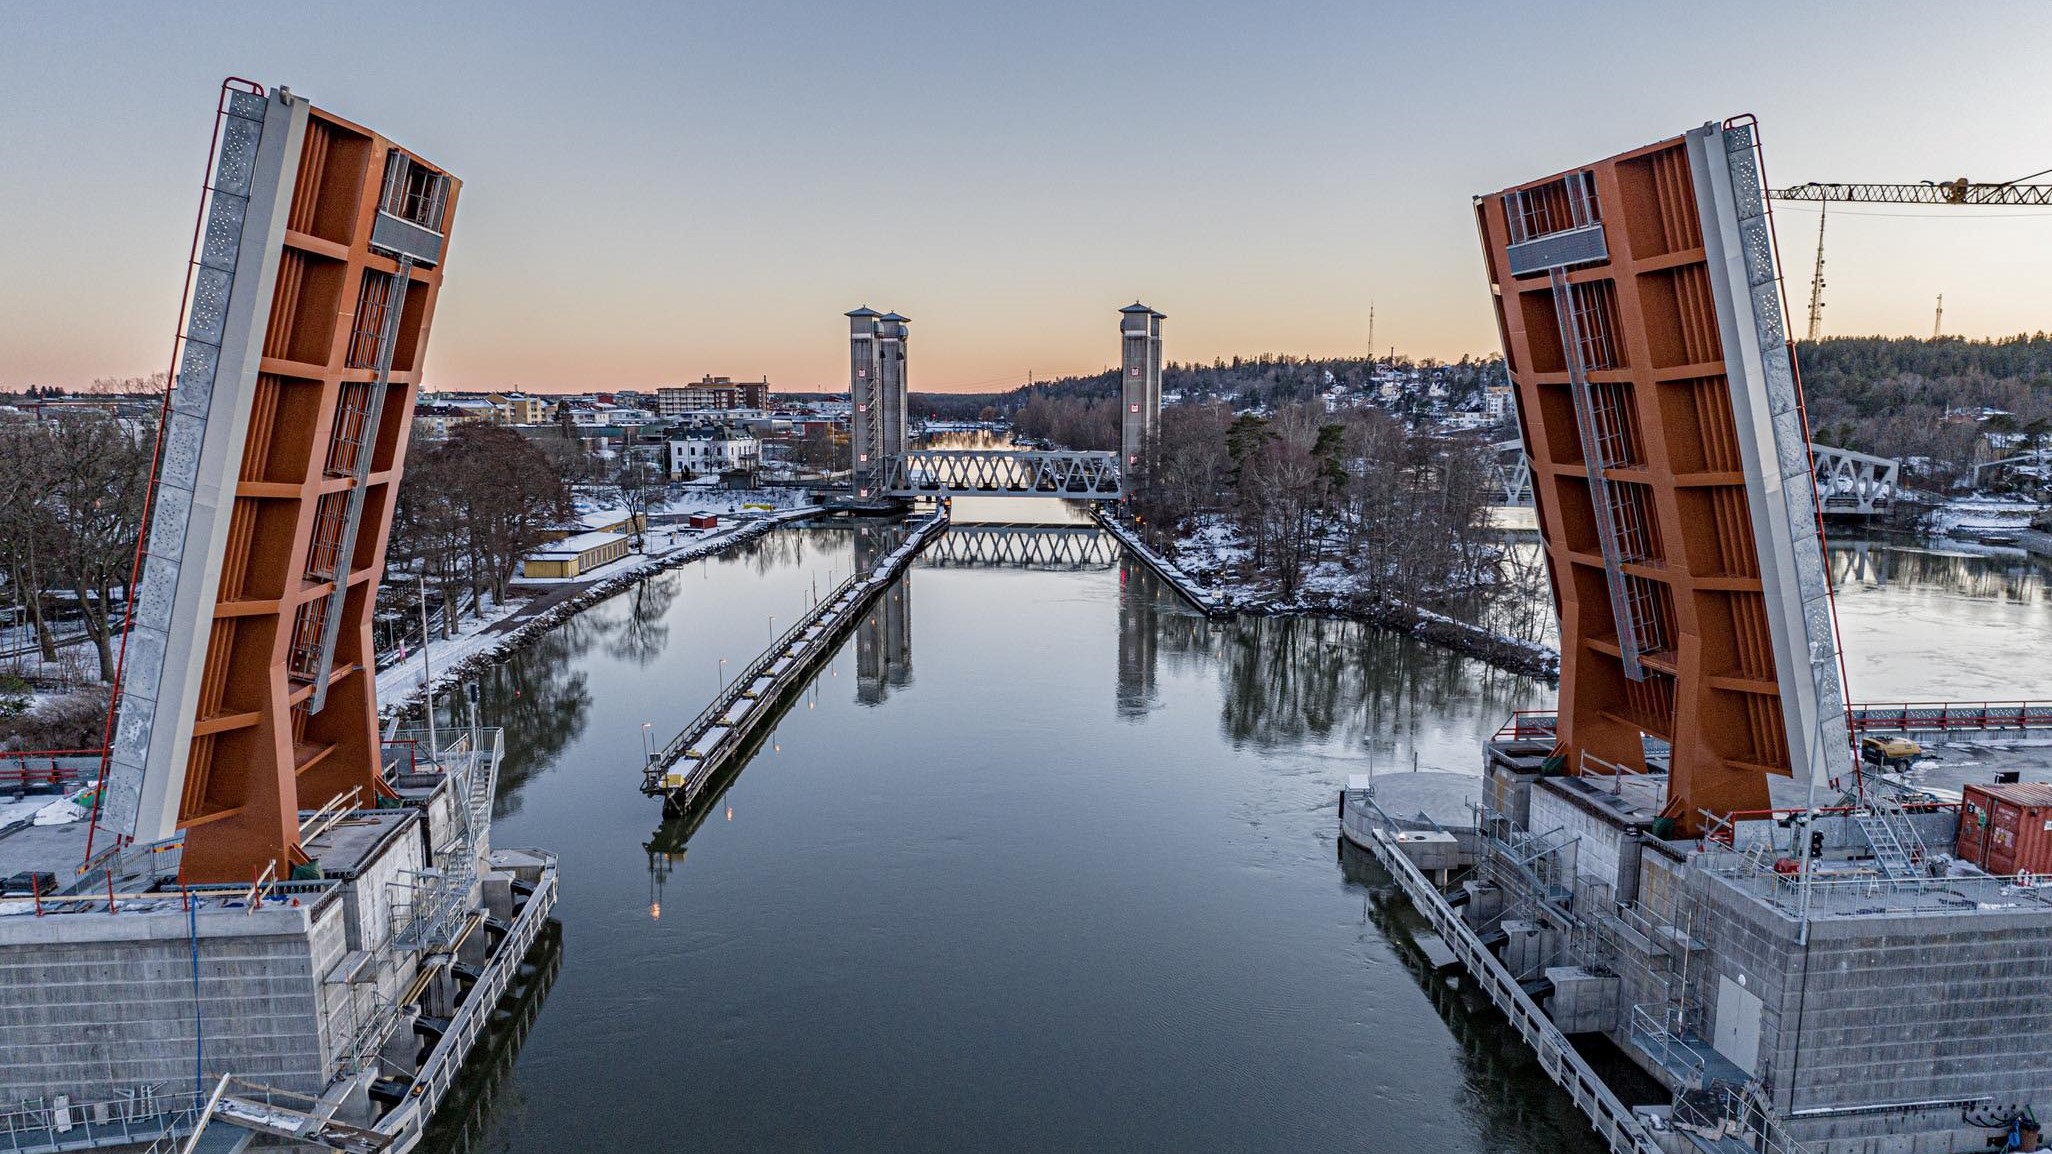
1022,546
1076,475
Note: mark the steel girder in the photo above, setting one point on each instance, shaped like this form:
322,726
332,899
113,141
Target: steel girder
1849,482
1026,546
1078,475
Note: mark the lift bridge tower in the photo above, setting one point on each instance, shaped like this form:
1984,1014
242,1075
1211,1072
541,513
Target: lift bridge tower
1641,315
877,395
1139,384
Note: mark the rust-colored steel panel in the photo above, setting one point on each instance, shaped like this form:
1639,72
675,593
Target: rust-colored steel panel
1645,477
261,753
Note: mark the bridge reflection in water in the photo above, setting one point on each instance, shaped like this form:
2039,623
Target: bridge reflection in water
1017,545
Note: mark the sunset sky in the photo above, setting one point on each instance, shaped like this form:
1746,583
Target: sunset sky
658,191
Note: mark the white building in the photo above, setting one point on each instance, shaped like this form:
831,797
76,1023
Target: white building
713,450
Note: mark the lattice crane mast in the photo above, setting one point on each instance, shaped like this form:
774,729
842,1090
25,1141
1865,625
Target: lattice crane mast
1963,192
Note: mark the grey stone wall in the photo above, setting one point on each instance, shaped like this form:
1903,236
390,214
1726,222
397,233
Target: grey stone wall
1899,1009
91,1004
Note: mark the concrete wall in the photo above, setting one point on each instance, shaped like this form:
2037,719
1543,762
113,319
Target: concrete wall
1904,1008
93,1003
1608,852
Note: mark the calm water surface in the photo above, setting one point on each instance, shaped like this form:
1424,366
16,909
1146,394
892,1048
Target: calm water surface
1041,860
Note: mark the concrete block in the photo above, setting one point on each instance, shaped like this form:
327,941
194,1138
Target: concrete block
1483,907
1582,1002
1430,850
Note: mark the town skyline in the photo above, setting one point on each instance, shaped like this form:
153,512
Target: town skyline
1012,179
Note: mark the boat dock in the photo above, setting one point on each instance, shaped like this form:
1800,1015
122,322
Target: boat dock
682,769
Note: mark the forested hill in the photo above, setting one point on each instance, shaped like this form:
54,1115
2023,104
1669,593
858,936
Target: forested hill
1904,397
1895,396
1269,381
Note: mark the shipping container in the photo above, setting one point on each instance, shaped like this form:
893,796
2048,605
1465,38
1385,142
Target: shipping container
2007,828
704,521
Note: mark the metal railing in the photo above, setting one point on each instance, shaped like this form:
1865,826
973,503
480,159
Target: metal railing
1855,893
1660,1031
131,1119
1734,1115
1612,1120
1945,716
817,624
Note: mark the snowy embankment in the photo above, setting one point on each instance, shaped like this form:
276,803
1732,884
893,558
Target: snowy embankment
480,641
1212,546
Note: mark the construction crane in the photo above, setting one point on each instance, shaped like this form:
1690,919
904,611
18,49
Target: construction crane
1962,192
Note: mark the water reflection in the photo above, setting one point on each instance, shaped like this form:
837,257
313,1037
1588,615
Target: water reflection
1508,1090
883,638
1140,598
1292,680
1998,575
484,1096
541,695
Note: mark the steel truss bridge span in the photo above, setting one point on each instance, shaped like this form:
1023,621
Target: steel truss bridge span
1074,474
1855,484
1849,482
1011,545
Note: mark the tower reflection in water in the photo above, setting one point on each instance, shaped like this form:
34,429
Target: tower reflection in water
883,638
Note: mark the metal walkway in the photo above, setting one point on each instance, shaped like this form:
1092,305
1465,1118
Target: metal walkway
1613,1121
683,767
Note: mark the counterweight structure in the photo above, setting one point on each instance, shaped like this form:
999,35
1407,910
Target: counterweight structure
247,683
1641,315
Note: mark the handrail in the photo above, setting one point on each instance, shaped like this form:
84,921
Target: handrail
1607,1113
786,645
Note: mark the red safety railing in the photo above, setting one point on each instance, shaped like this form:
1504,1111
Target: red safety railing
27,767
1527,725
1951,715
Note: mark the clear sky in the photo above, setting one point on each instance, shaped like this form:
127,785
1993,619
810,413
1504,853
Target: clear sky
655,191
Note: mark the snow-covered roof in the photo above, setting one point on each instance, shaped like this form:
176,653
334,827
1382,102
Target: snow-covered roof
570,547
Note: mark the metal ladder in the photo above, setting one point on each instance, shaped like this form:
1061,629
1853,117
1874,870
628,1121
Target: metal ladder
1595,462
373,405
1889,853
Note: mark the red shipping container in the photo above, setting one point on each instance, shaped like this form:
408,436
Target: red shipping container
704,521
2007,829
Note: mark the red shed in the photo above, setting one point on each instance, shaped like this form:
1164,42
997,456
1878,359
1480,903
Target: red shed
704,521
2007,829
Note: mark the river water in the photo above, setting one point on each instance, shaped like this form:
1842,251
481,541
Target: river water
1041,860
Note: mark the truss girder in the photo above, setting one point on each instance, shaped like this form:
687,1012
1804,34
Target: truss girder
1850,482
1958,192
1074,474
1027,546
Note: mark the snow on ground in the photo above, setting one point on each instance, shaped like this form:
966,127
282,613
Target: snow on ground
1211,547
473,636
1983,514
42,809
449,658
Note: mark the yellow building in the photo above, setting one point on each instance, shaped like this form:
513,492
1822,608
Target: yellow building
574,556
519,408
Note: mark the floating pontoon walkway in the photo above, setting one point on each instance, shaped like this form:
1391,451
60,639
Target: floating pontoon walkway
681,770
